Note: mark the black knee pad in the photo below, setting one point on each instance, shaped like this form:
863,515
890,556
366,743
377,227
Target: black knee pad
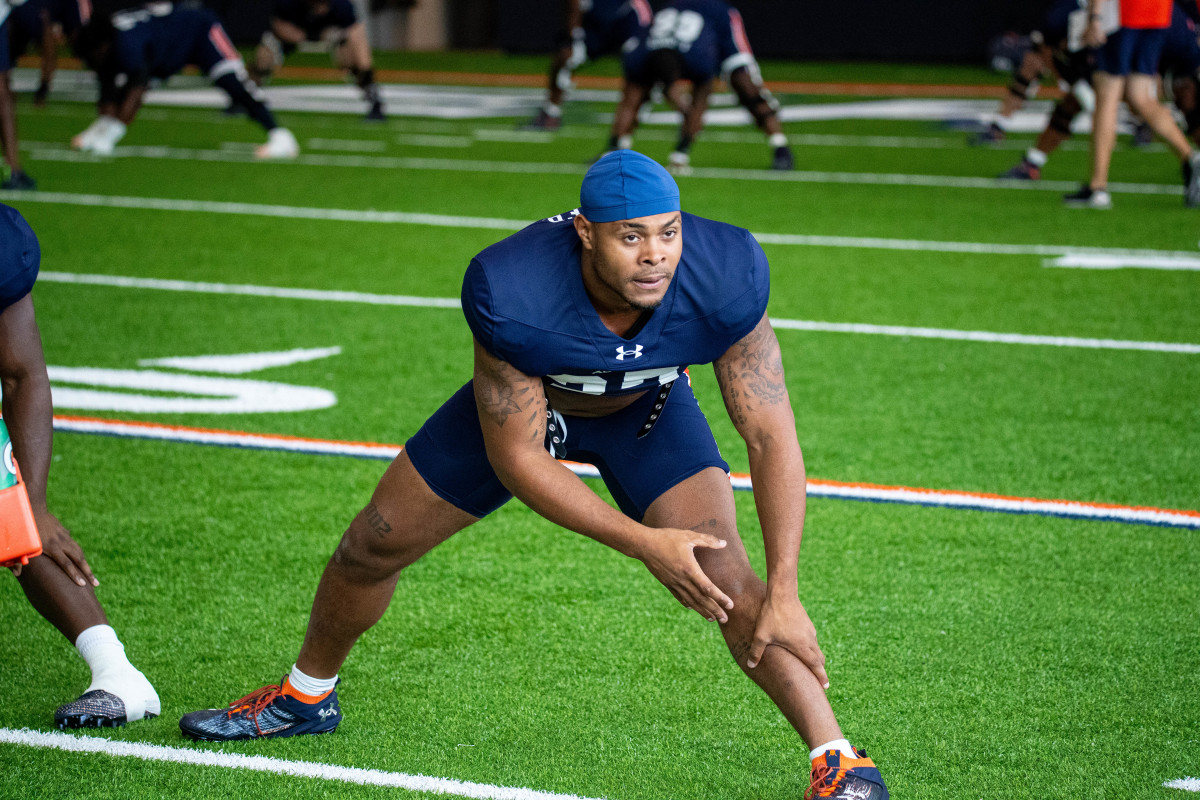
1064,113
1019,86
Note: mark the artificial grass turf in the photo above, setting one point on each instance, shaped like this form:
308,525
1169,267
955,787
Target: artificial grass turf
1067,655
958,642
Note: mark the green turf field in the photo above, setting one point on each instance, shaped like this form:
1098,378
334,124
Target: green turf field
974,654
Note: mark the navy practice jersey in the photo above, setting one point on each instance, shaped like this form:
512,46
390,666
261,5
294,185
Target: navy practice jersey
159,40
28,23
20,257
614,21
1064,24
708,34
525,302
335,14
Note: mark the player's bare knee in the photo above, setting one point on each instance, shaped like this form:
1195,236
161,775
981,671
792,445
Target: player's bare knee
369,547
748,592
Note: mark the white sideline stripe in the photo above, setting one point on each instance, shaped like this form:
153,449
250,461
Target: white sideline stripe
349,145
983,336
492,223
816,488
321,295
50,151
1187,784
261,210
249,290
1096,261
277,766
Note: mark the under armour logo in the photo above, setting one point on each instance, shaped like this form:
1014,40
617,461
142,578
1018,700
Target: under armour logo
636,352
326,713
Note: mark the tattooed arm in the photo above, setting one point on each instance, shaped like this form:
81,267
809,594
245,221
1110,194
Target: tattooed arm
750,375
512,414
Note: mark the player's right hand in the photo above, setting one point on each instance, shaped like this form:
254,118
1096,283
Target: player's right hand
670,556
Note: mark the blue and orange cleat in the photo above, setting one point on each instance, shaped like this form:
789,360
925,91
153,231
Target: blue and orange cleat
841,778
270,712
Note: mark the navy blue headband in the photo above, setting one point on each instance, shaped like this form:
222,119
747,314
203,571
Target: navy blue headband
625,184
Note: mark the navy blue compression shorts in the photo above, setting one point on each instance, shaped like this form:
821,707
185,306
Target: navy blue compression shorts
1131,50
7,57
449,454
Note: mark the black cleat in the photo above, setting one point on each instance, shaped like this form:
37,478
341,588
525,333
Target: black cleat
1143,135
1087,197
1191,181
783,160
1024,171
19,181
542,122
94,709
376,113
992,134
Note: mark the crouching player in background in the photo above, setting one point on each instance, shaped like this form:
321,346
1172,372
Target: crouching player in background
16,177
695,41
588,363
157,41
1057,51
59,583
333,22
46,24
595,28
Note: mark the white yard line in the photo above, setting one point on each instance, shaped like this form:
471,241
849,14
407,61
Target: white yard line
903,495
492,223
1114,261
347,145
52,151
277,766
331,296
1187,784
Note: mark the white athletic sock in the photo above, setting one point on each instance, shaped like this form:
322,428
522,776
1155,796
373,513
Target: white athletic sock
1036,157
552,110
306,684
777,140
841,745
112,672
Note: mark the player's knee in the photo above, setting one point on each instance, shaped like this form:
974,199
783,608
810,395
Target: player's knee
369,548
746,590
1064,112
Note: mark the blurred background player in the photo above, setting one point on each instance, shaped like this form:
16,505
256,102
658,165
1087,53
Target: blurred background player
1057,50
1129,41
157,41
595,28
1180,71
59,583
333,22
46,24
16,177
696,41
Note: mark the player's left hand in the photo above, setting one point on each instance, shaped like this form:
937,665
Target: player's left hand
59,547
783,622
